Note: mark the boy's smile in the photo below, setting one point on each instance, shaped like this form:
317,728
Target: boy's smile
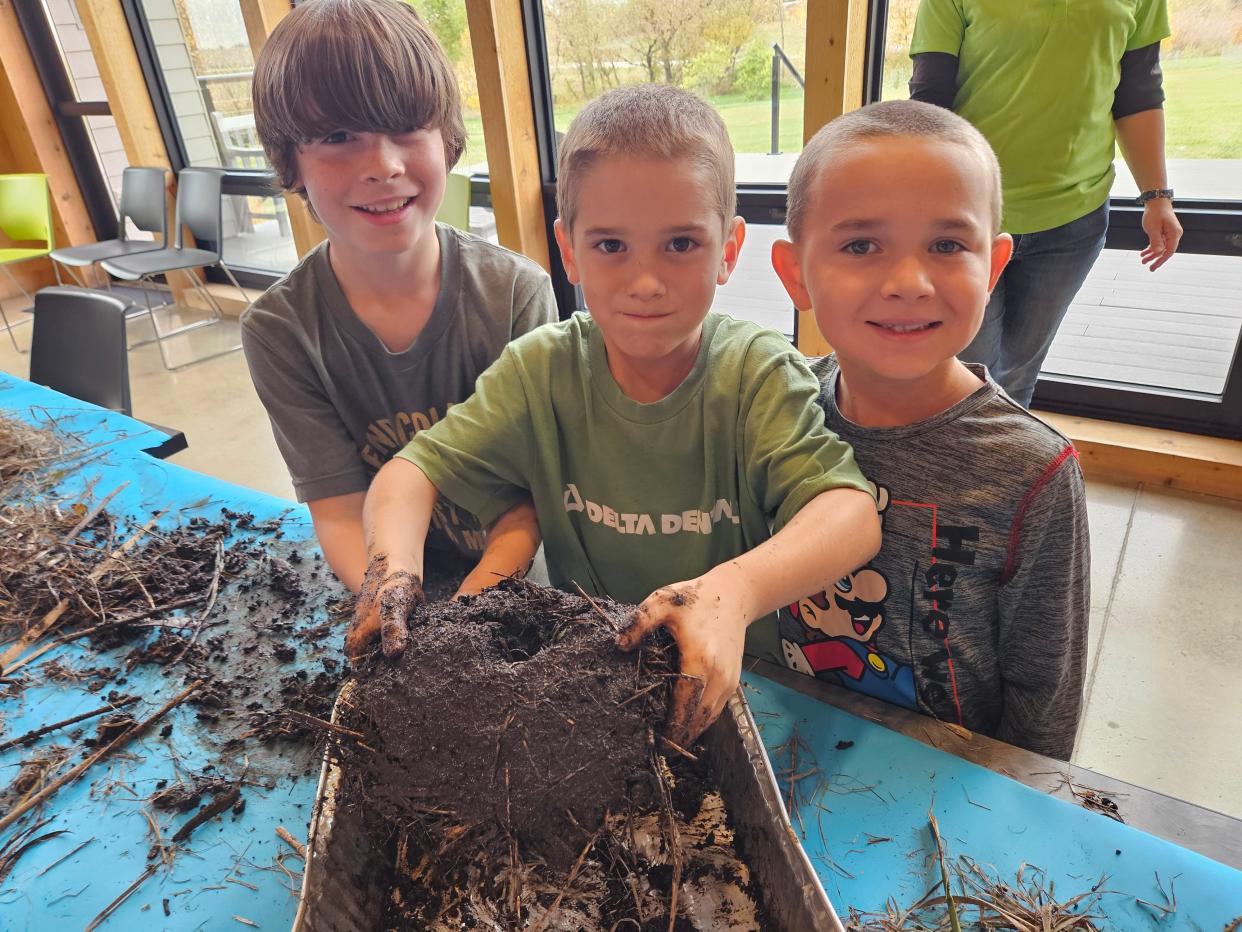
897,256
649,248
375,192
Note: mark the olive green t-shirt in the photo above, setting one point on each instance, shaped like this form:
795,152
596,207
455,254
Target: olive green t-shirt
1037,78
632,496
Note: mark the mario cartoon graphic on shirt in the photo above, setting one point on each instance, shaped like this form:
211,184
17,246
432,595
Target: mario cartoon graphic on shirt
832,635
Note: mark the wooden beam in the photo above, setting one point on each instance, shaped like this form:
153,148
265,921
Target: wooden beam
261,17
123,81
126,89
807,337
1165,458
33,144
836,61
827,28
498,38
836,51
855,56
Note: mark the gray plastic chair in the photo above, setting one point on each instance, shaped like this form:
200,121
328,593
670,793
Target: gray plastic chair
199,211
78,348
144,201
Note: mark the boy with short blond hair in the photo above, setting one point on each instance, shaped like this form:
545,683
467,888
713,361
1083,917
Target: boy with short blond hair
382,327
658,441
975,610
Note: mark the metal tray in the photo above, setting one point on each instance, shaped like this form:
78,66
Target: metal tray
344,888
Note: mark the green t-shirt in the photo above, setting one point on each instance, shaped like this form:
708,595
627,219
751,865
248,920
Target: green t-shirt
1037,78
631,496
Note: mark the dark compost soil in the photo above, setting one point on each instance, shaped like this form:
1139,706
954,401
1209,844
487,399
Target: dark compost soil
509,759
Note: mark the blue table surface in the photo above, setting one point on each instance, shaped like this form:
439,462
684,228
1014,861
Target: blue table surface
882,786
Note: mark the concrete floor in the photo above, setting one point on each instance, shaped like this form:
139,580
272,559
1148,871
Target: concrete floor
1166,630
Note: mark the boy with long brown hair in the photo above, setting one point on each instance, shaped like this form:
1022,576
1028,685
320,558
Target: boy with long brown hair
381,328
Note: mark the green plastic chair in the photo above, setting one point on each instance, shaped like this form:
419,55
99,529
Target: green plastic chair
25,215
455,208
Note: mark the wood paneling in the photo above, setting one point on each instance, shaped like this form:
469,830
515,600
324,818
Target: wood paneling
1189,462
497,36
32,143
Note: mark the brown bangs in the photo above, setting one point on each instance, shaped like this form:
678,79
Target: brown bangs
354,65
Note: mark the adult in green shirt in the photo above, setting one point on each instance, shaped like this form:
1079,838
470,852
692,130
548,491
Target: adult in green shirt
1053,85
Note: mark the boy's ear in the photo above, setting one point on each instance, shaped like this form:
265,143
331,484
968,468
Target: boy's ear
567,252
735,236
1002,251
789,271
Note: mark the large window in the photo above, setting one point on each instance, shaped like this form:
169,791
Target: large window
746,57
1159,348
202,65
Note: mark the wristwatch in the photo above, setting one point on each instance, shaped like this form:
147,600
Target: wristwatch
1146,196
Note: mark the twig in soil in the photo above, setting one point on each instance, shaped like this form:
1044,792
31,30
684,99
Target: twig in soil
212,591
31,735
247,922
639,694
65,857
328,726
569,881
515,860
678,748
297,846
120,740
241,883
594,604
674,838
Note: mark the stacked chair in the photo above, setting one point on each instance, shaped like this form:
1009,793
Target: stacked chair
144,203
199,212
25,216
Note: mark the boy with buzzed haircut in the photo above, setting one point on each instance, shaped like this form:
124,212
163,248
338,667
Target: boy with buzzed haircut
657,440
975,610
381,328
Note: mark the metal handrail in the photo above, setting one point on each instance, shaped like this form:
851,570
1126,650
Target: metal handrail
779,60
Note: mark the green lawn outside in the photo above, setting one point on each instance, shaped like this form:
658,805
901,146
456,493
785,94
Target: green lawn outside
1204,117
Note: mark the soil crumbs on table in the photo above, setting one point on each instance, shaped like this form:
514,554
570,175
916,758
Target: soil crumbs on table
509,758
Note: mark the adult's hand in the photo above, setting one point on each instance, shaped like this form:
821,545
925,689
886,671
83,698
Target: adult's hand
1163,230
387,596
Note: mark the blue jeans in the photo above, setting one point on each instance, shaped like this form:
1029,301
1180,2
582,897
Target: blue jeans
1031,298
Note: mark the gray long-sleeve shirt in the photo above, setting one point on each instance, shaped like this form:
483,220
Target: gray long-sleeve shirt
975,610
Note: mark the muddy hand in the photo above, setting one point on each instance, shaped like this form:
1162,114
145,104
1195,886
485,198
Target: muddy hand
383,609
709,639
